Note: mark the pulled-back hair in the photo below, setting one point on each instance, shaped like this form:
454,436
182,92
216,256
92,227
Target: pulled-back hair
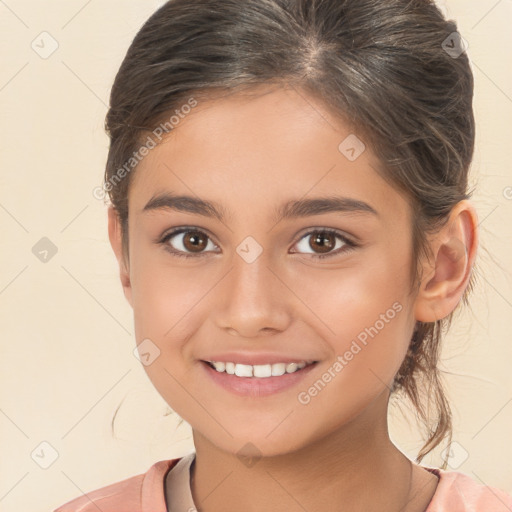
384,68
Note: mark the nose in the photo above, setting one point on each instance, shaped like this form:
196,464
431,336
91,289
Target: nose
252,301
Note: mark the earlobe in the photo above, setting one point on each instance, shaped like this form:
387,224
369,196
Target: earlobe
454,248
116,242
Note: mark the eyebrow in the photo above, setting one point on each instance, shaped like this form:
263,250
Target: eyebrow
289,210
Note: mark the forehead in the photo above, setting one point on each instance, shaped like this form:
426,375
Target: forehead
259,151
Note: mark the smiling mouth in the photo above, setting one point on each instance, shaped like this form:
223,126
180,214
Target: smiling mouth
261,371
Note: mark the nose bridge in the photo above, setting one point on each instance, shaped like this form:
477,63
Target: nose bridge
253,299
251,279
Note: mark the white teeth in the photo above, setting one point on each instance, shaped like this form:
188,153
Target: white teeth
291,367
278,369
262,370
243,370
220,367
258,370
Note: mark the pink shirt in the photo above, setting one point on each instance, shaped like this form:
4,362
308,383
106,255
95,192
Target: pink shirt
456,492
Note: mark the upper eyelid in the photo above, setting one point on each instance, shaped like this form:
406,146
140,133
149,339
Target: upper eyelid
185,229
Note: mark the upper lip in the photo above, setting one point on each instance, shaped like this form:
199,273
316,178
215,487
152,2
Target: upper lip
256,358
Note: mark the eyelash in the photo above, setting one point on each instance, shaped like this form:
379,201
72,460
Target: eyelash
349,245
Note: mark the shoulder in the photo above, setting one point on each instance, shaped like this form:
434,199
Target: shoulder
458,492
133,494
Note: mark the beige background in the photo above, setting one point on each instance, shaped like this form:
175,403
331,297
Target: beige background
66,329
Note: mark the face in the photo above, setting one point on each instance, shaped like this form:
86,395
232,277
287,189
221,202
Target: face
249,283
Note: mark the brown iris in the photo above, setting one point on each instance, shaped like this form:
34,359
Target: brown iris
195,241
325,241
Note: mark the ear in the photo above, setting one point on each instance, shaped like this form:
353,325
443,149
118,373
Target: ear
115,236
445,280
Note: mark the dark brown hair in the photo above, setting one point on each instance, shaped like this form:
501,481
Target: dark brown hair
381,67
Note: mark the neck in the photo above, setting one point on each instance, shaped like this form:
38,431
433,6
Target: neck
355,468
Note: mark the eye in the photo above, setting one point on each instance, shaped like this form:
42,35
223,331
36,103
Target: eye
188,246
325,240
193,242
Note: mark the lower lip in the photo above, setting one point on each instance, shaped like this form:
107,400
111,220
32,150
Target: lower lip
255,386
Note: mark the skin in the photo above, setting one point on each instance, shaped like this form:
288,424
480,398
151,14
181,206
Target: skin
250,155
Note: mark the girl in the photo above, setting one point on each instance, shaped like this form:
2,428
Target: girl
292,223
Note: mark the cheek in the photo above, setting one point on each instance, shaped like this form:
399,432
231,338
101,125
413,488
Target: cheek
367,315
364,313
354,296
167,301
